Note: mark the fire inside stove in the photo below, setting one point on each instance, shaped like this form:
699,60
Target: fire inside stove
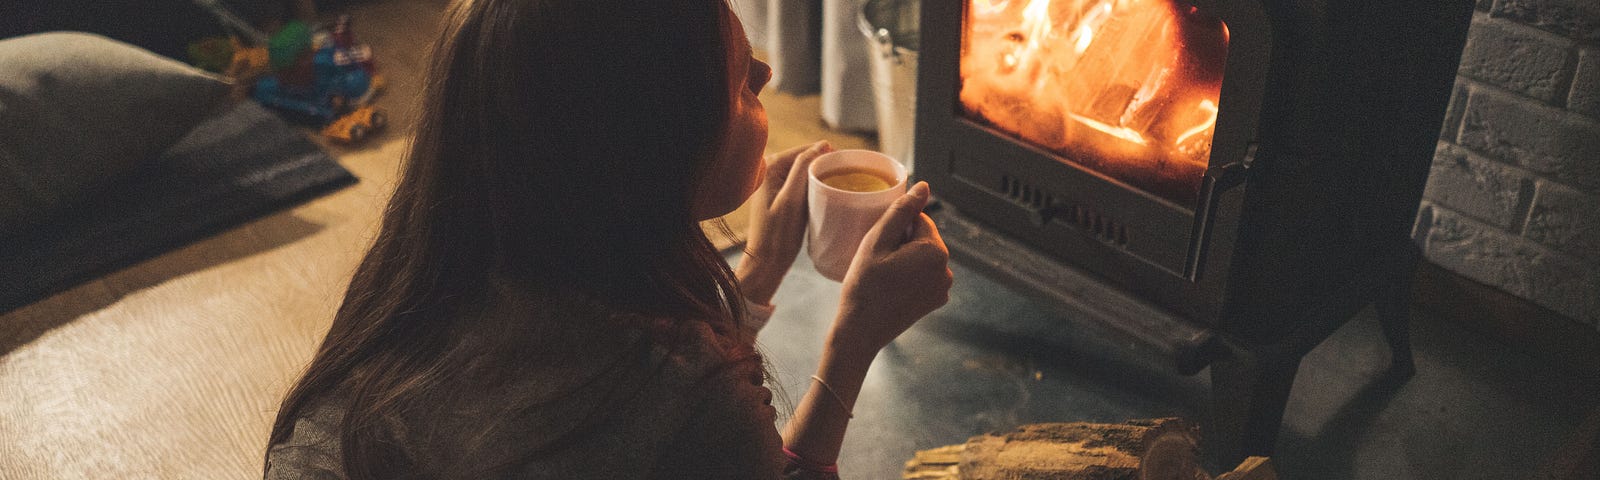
1127,88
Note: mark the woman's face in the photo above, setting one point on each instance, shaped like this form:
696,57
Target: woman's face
737,169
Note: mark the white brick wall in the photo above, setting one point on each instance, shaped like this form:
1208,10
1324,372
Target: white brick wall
1513,199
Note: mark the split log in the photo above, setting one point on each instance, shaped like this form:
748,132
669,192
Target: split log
1253,468
943,463
1161,449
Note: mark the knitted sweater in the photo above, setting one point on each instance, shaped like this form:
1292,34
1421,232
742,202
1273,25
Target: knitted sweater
602,402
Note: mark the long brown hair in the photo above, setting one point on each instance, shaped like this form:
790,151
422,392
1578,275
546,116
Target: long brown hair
560,143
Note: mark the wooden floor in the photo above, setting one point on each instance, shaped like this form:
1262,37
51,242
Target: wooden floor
173,368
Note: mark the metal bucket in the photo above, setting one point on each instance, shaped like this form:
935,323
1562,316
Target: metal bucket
891,28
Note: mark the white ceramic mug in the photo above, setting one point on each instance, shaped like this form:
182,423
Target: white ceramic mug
840,218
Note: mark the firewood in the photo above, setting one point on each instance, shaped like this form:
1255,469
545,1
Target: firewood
1161,449
1253,468
942,463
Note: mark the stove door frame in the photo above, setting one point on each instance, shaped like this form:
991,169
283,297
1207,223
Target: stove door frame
1176,255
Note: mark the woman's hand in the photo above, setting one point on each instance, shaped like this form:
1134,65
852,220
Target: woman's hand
900,274
777,221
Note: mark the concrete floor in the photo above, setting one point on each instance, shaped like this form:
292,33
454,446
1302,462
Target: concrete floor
992,359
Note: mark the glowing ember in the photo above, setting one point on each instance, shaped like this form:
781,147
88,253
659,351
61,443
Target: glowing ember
1128,88
1205,128
1124,133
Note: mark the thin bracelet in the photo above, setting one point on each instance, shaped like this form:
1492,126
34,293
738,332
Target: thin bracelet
809,464
836,396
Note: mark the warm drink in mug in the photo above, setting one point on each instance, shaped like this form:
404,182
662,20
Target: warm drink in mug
855,179
848,190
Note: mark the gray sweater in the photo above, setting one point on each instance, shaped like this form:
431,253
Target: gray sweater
602,402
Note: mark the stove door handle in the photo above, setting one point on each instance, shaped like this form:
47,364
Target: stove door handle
1218,180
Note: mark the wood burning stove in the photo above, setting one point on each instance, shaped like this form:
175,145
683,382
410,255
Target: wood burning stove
1225,181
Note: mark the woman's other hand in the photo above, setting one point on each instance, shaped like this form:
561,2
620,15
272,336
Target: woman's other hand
777,221
900,274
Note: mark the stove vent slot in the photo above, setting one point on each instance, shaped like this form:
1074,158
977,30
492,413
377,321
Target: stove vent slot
1045,206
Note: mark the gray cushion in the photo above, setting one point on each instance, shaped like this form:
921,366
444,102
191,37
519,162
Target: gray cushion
78,110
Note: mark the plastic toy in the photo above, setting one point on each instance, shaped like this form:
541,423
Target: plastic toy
354,126
242,54
212,54
322,78
248,62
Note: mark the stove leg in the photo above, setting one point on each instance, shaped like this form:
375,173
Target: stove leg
1248,394
1393,306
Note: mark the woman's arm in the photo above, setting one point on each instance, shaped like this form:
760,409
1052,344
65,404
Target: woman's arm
893,282
817,429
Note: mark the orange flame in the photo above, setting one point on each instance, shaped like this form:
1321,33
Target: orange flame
1126,87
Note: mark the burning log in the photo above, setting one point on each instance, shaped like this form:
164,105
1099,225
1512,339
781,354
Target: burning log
1128,88
1161,449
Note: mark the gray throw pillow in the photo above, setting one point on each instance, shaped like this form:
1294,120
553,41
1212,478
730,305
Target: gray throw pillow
78,110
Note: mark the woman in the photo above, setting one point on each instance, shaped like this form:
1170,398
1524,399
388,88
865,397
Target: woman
541,302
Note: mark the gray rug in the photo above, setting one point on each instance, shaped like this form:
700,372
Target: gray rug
238,165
